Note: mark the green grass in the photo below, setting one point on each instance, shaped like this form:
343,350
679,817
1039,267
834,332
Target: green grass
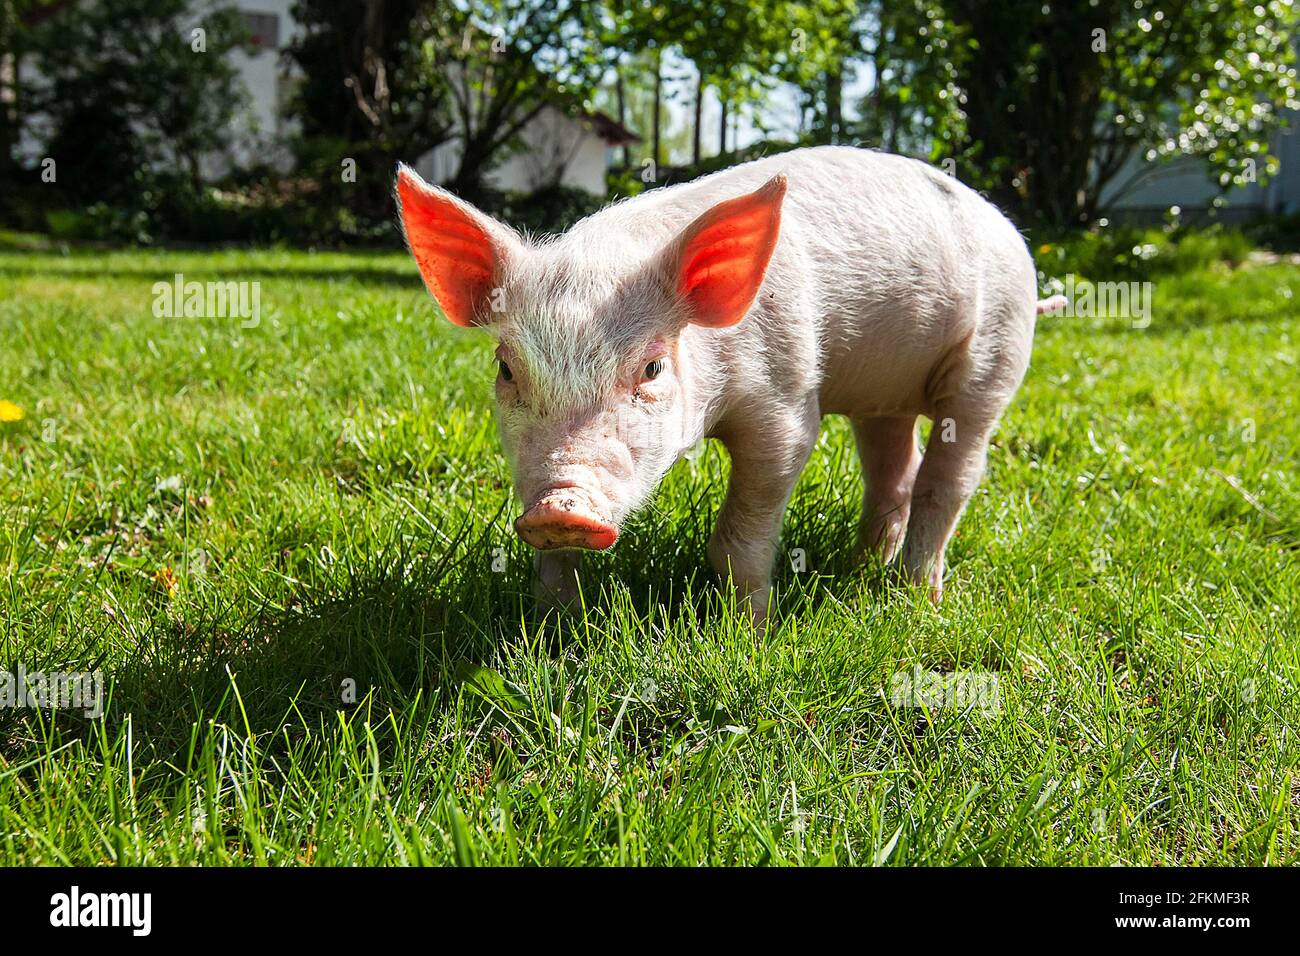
238,525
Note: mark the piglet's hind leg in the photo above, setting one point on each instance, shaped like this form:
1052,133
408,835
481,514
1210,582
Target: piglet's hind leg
890,459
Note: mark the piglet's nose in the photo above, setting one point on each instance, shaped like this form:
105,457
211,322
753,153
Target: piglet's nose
565,518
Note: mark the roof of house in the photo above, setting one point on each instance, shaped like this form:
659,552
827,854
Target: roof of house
609,129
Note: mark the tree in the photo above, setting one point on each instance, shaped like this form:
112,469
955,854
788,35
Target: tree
1060,97
914,105
129,91
636,71
641,33
10,50
391,80
511,59
815,45
736,46
370,92
712,36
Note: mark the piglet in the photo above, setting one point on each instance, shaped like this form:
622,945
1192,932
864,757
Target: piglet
744,306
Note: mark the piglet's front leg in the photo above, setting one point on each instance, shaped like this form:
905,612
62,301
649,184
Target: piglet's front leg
555,578
766,460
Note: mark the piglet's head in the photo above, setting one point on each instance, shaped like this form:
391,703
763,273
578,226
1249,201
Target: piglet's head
596,391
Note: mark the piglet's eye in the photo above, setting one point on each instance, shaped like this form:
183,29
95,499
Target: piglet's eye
506,374
653,369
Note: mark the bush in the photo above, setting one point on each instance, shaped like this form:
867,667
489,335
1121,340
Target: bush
249,207
624,182
1278,233
548,211
723,161
1120,253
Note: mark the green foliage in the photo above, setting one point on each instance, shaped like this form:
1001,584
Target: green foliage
1059,98
624,183
1202,79
549,210
1128,253
128,97
915,105
755,150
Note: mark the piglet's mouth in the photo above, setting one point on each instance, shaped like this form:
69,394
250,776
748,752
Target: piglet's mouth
565,518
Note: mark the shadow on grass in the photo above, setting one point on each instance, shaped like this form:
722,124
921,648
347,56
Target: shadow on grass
397,626
405,624
379,267
367,275
401,626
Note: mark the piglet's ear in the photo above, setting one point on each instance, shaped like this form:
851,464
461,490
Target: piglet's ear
722,256
460,251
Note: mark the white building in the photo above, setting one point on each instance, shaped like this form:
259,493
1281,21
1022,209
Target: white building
264,132
555,148
1187,184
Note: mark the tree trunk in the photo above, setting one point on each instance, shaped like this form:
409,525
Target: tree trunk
468,181
695,129
659,85
6,127
894,118
622,113
722,126
9,98
1038,138
834,104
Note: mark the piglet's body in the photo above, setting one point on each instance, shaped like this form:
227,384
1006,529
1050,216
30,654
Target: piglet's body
745,306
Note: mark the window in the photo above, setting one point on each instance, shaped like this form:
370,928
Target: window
264,28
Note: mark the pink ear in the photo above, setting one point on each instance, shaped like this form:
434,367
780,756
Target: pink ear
724,255
457,248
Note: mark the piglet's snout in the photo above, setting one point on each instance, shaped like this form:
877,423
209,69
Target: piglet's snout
566,518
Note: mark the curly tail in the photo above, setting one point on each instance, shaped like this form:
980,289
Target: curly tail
1055,303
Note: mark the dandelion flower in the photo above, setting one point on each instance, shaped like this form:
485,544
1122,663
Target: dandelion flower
9,412
165,579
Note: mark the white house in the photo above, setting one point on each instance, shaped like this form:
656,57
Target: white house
555,148
1187,184
265,131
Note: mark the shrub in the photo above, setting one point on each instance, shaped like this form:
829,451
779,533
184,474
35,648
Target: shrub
548,211
1119,253
1278,233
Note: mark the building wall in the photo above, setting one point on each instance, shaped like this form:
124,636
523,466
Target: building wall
263,134
1187,183
552,141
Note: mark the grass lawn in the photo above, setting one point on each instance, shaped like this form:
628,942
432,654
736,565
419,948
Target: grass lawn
240,526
